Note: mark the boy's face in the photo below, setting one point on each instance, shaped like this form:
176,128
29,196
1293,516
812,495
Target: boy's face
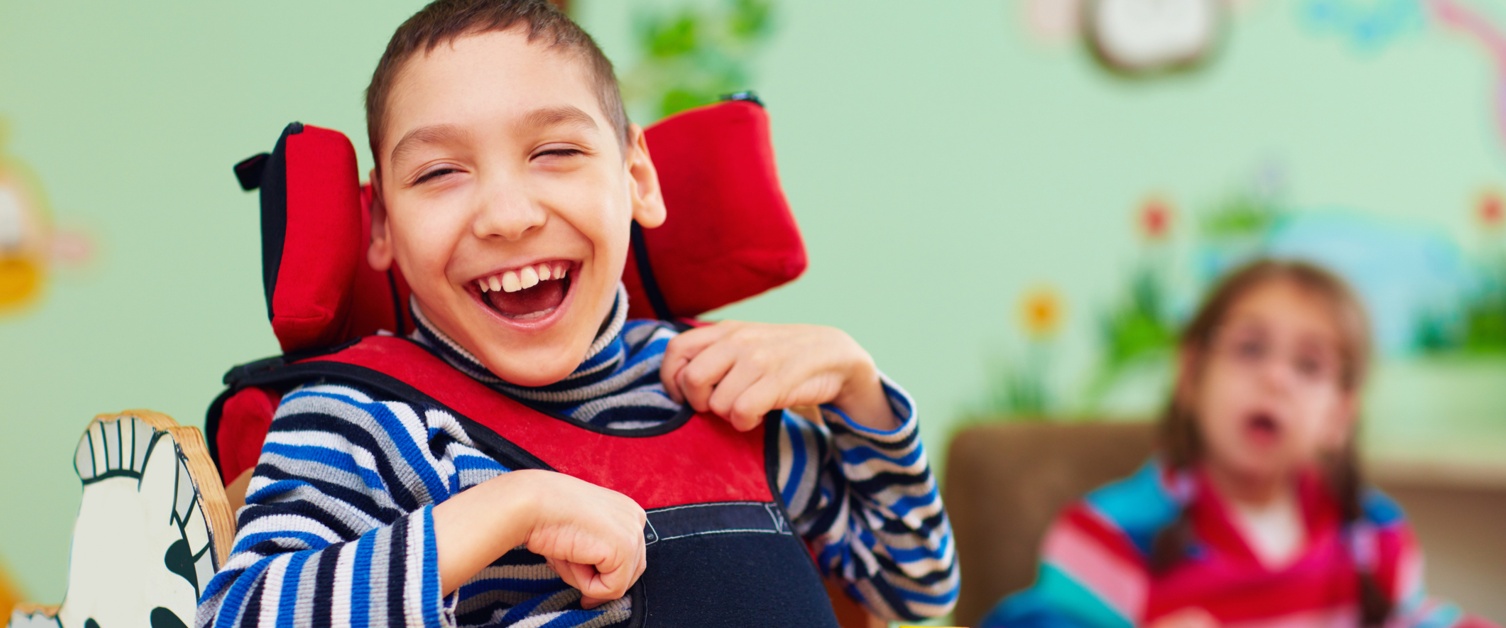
497,167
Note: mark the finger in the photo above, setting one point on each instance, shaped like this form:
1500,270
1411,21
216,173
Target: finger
704,373
738,379
587,602
682,349
755,402
610,584
593,583
566,573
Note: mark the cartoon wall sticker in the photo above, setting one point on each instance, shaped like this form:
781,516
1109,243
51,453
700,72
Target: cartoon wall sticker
10,592
152,528
30,244
1151,36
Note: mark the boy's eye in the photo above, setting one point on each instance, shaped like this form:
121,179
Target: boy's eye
559,152
434,174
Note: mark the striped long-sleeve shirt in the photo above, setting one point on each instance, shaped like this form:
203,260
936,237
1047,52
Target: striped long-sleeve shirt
338,526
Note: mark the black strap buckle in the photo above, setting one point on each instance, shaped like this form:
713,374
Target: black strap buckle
248,172
241,373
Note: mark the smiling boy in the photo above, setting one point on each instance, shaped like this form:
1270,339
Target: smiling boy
507,180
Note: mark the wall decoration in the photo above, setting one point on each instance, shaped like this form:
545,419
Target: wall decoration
1458,18
692,54
1473,321
1019,387
1151,36
10,592
152,528
30,245
1427,296
1052,21
1368,25
1139,38
1139,327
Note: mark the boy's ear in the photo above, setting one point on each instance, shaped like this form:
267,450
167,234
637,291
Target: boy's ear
379,254
643,181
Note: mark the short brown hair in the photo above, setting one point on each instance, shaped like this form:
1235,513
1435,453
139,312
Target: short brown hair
443,21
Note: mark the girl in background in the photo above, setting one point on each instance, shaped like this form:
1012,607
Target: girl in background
1254,512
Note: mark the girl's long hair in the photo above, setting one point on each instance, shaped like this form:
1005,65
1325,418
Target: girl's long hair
1181,444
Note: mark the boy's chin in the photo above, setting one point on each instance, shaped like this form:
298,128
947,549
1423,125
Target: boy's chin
531,369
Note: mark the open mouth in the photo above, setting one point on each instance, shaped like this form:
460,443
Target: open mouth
1263,427
527,293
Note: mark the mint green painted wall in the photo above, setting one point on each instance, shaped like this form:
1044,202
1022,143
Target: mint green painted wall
940,163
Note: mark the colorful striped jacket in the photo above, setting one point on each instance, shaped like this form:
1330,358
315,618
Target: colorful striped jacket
1095,565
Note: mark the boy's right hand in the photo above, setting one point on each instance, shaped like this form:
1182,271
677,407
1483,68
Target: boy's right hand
591,536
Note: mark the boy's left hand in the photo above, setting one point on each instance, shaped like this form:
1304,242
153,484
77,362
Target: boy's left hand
741,371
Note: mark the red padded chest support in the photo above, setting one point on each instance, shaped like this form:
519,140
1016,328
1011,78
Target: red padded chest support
657,471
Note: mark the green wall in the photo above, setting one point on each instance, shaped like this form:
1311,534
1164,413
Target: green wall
941,162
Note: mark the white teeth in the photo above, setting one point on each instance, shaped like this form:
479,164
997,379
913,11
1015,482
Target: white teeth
510,282
522,279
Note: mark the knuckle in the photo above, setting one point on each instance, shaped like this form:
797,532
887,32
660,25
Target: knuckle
698,376
720,411
747,410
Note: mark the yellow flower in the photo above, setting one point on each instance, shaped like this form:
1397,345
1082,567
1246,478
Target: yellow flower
20,282
25,234
1041,312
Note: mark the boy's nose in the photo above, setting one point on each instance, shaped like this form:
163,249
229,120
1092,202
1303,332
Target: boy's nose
506,212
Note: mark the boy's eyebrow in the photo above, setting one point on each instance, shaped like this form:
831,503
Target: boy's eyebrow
566,115
543,117
432,134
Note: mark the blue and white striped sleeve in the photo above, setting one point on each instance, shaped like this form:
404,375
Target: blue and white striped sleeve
867,502
338,526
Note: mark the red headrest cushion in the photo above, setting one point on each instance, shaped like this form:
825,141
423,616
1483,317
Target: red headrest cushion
729,234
